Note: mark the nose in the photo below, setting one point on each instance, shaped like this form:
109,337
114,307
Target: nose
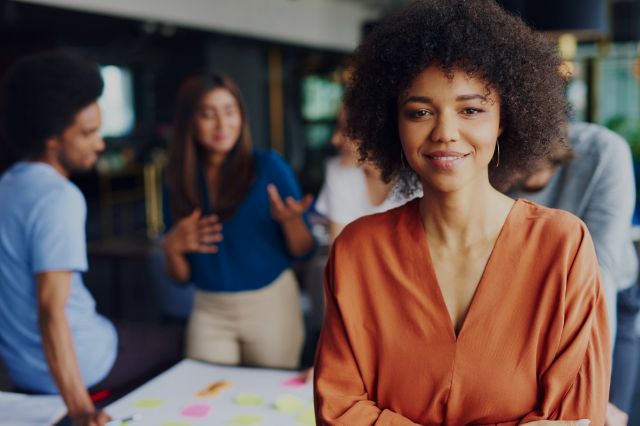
100,145
446,129
337,138
219,121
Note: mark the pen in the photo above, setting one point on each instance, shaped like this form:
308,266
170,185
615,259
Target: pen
124,420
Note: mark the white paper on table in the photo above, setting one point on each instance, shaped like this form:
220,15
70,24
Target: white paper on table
177,388
18,409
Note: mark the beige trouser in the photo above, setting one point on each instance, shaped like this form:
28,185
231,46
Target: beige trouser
258,328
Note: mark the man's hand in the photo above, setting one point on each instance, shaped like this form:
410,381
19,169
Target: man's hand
96,418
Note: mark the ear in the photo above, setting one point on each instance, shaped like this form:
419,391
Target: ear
500,129
52,145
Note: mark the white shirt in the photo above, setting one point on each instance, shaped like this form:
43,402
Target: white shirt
344,196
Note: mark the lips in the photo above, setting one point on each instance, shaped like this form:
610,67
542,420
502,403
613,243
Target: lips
446,160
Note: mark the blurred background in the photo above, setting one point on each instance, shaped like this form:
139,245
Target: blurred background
291,61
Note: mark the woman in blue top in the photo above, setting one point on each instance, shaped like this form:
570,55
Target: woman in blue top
238,225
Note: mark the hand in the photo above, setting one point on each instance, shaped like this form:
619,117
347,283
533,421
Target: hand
615,416
292,209
95,418
194,234
581,422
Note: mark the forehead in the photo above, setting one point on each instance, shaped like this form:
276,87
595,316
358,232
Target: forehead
217,98
88,117
434,80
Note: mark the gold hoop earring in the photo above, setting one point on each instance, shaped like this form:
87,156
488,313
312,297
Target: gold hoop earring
498,152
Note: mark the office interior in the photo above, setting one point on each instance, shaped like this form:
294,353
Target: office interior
291,61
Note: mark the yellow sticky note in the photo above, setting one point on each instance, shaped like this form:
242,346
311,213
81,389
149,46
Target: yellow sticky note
245,420
248,398
149,403
307,417
289,404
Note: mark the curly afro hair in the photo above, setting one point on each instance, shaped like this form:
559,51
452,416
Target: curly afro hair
40,96
479,38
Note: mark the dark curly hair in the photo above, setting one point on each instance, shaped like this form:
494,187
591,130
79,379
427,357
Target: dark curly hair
478,37
40,96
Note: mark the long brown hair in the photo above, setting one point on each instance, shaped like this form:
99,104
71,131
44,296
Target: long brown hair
184,163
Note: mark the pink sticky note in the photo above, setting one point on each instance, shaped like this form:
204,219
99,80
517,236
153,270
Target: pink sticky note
195,410
294,382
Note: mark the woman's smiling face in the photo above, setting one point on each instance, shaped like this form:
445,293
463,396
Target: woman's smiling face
448,128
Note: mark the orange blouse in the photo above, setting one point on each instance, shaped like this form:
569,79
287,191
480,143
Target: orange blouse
534,344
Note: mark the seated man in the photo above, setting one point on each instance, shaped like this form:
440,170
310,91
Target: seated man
51,337
593,179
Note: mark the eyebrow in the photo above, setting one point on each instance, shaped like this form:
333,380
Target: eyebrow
428,100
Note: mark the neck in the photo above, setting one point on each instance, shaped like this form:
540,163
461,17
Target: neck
214,161
348,158
53,161
462,218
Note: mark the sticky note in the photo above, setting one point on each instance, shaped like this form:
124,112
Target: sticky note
294,382
248,398
214,388
148,403
196,410
245,420
307,417
289,404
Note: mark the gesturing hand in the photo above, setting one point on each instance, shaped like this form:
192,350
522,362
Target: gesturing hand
194,234
284,211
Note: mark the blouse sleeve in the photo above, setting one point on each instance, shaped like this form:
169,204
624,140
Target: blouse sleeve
576,384
339,392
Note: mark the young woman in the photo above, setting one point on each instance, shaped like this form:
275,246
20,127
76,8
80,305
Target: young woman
464,306
238,225
352,189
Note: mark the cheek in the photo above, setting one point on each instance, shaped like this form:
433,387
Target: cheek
236,123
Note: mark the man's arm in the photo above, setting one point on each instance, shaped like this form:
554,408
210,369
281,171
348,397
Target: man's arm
57,341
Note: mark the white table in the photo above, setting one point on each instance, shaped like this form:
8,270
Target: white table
254,397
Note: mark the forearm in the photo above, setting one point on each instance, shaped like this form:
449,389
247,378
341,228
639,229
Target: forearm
58,347
298,238
177,266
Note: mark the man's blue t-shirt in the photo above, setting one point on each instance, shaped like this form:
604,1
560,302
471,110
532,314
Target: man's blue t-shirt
42,229
253,252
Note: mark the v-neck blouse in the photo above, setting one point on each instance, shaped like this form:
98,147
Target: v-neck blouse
534,344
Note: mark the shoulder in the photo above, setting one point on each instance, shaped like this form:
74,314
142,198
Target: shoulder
44,186
66,194
271,164
373,230
552,226
270,158
597,142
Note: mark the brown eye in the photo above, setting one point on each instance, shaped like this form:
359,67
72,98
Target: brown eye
417,113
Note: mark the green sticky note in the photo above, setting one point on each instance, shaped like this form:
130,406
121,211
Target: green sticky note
149,403
245,420
248,398
289,404
307,417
